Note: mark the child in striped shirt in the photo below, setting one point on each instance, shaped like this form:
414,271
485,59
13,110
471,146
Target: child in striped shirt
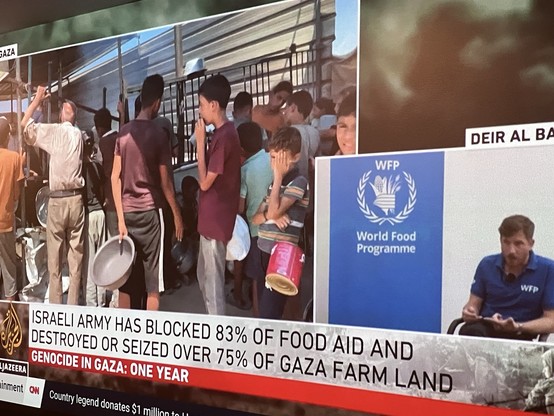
281,215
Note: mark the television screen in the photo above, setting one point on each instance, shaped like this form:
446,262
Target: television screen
294,207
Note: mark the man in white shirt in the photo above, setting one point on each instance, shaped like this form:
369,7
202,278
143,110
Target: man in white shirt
66,211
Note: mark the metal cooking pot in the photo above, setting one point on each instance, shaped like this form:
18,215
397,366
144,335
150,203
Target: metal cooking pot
184,256
113,263
194,66
41,205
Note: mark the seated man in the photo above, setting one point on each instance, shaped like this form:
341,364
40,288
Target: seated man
512,294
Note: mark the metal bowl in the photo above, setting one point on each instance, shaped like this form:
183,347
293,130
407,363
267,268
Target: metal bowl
41,205
194,66
113,263
184,256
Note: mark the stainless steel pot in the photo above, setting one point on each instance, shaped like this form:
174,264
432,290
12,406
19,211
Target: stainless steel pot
113,263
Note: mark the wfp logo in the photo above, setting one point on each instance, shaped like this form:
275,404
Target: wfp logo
385,192
529,288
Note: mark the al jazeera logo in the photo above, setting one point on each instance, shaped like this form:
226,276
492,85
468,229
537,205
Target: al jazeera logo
10,331
386,192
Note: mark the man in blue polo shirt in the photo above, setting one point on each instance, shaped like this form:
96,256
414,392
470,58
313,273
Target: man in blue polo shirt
512,294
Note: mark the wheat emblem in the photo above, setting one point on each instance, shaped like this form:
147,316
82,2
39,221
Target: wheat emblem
385,197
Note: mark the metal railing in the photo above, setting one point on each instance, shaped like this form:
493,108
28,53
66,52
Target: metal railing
257,77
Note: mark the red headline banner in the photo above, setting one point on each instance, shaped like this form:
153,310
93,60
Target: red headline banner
166,373
277,388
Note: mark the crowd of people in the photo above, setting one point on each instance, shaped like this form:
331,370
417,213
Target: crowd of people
259,164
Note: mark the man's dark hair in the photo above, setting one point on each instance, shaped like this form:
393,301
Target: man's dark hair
326,105
287,138
152,90
242,100
516,223
4,132
348,106
250,136
285,86
303,101
138,106
103,119
189,188
216,88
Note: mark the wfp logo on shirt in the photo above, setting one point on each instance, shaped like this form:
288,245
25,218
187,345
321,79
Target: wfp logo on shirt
529,288
387,195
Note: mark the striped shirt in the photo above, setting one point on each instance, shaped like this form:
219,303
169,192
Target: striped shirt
296,188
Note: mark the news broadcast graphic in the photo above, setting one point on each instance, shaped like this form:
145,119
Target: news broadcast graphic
385,247
8,52
74,399
409,229
353,368
515,135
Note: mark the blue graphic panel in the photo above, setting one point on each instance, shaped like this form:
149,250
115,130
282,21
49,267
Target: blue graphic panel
385,260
